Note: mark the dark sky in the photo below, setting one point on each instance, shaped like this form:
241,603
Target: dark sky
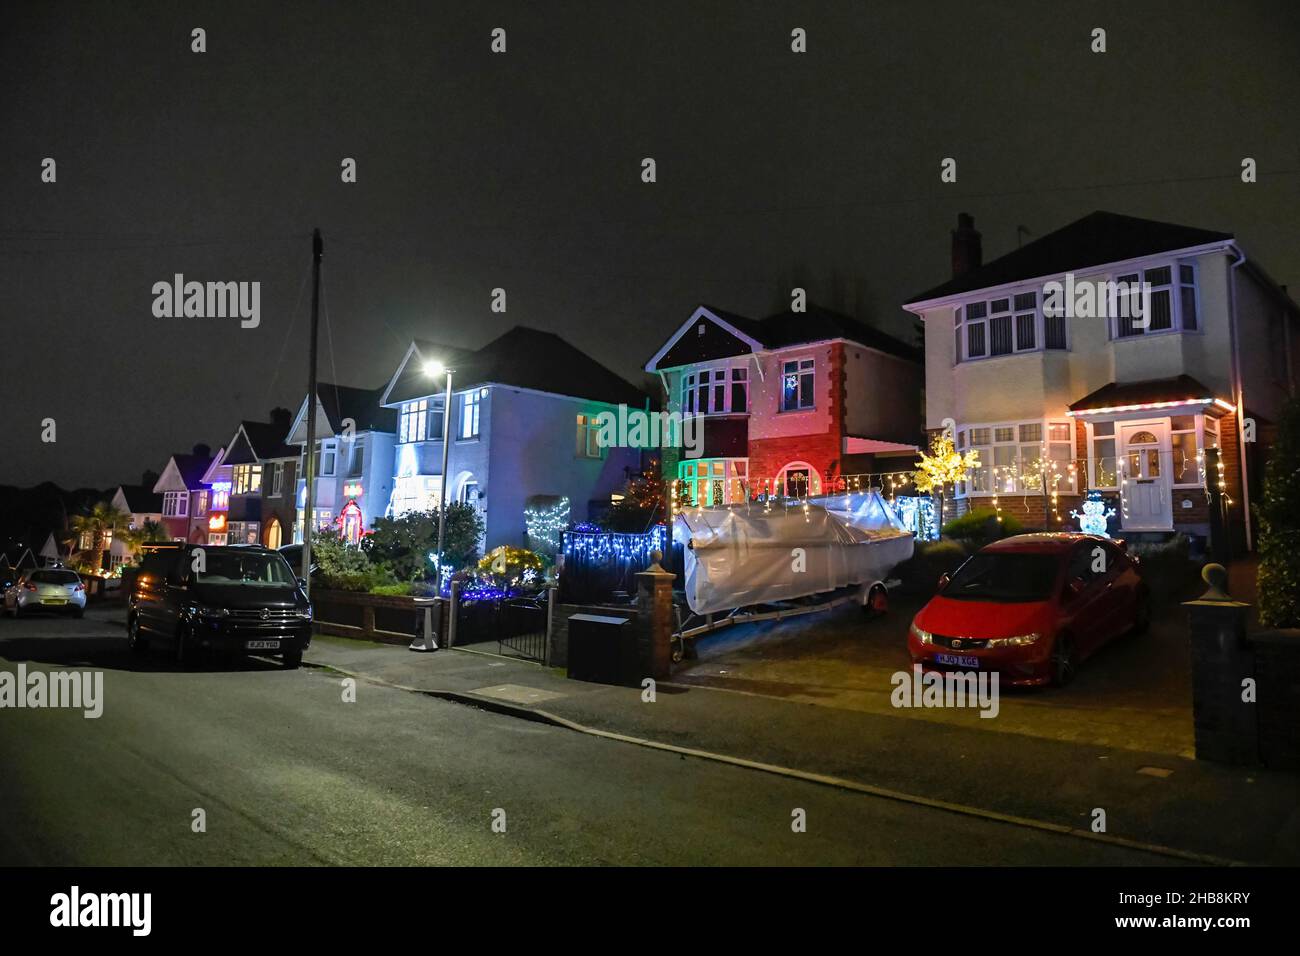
523,171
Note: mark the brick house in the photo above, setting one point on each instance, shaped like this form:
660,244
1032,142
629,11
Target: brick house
1059,402
184,496
263,483
792,404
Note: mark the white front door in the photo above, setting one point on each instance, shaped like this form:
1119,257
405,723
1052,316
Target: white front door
1144,485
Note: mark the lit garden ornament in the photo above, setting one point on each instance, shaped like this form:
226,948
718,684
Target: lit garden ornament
1095,513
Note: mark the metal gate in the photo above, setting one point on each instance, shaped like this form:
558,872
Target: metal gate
518,626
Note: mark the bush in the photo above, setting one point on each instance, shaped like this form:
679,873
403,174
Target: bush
1279,526
509,568
920,573
400,589
342,566
403,544
982,524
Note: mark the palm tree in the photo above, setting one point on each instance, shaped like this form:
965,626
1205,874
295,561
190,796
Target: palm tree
102,521
147,533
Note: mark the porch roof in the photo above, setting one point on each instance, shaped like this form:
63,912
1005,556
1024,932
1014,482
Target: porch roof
1151,393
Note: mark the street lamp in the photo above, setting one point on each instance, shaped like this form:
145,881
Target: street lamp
435,369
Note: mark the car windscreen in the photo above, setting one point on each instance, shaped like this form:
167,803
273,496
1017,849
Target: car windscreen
1004,577
244,567
54,577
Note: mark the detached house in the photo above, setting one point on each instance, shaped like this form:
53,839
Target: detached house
354,441
184,497
794,404
1071,401
523,430
263,482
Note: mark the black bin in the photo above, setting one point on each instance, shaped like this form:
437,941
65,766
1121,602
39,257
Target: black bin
601,649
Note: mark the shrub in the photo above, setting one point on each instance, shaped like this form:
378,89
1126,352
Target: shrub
342,566
982,524
1279,526
920,573
399,589
507,567
404,544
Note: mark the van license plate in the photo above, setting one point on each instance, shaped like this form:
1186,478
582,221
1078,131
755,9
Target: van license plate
262,645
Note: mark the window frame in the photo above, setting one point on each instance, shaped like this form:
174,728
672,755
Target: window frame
986,483
803,365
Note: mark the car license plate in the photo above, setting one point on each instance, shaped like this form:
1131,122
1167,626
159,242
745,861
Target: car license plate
262,645
54,601
958,660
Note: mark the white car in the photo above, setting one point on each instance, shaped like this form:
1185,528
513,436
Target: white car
46,589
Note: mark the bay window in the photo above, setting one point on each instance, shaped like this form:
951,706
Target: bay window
720,390
714,481
1020,458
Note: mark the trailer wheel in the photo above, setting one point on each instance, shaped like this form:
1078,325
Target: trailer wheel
877,602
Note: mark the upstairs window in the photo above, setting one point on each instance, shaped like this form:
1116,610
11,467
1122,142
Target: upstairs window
1173,303
588,444
176,504
246,479
715,391
414,421
798,389
469,414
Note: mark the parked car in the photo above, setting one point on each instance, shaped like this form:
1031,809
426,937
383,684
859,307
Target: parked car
293,554
1031,607
46,589
243,599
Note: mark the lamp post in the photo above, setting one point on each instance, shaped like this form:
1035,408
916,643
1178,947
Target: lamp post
433,370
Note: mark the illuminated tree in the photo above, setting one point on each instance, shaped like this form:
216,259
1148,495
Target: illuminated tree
942,467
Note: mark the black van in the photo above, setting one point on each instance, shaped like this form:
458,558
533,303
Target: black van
239,598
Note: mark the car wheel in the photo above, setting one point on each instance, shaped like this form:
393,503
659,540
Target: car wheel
293,659
1142,622
1063,662
134,642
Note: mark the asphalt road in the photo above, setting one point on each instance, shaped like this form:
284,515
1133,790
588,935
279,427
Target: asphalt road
288,772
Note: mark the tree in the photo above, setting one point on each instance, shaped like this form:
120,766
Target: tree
943,466
405,543
1278,516
641,506
102,521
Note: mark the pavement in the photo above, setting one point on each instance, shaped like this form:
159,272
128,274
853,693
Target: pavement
1160,801
247,763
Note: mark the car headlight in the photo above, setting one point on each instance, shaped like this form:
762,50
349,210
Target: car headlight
303,614
210,613
924,636
1020,640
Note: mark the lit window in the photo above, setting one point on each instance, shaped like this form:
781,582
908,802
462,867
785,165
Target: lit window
469,414
797,385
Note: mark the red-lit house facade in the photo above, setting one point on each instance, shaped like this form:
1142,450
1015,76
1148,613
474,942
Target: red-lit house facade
184,496
795,404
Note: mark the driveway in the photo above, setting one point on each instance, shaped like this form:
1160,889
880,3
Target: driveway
1134,694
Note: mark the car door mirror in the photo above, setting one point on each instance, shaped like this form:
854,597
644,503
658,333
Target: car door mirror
1074,587
302,583
943,581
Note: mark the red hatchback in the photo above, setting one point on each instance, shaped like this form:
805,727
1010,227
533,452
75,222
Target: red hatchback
1031,608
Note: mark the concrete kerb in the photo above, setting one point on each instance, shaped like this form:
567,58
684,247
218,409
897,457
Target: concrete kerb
537,715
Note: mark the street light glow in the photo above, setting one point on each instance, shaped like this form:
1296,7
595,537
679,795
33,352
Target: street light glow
434,368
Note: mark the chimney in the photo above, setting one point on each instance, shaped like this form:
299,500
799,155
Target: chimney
967,253
201,451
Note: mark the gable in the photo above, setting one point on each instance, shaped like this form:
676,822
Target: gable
240,450
170,479
704,337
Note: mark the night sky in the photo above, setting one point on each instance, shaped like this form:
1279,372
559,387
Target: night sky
522,171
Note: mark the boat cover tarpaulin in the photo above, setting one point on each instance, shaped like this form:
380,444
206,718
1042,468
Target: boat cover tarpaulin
758,553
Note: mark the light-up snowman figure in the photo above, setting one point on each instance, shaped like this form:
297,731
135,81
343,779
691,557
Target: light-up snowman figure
1095,513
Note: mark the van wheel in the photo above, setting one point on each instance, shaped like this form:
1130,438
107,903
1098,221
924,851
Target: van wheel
184,651
1063,661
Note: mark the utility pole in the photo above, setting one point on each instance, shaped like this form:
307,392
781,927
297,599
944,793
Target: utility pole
309,511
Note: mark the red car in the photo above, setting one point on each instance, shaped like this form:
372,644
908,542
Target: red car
1031,608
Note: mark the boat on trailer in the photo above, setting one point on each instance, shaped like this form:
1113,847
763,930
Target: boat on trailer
757,561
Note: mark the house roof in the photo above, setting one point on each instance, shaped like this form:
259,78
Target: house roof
1169,391
789,328
142,500
1097,238
191,468
342,402
523,358
259,441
